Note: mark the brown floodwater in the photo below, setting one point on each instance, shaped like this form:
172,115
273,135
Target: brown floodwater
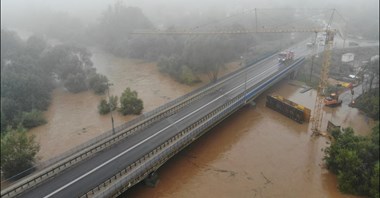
256,152
73,119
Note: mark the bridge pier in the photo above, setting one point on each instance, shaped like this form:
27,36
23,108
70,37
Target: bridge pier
152,179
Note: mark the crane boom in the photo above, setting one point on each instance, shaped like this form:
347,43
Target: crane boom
263,30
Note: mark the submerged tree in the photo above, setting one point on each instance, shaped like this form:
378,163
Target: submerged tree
103,107
130,103
98,83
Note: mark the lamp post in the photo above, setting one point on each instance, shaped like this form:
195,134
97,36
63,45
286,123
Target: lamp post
111,107
245,78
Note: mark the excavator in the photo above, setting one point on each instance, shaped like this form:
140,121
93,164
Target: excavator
333,99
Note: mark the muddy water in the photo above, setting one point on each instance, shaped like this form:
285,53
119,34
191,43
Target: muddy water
73,118
256,152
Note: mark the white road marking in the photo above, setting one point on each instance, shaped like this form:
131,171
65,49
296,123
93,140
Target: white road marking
150,137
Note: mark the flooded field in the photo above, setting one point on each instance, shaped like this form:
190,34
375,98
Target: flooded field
256,152
74,119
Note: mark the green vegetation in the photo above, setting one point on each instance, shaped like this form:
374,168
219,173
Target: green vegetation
183,58
130,103
32,119
369,103
103,107
175,67
355,160
18,151
98,83
113,102
29,71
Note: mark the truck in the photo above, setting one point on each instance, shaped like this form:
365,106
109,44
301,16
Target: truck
285,56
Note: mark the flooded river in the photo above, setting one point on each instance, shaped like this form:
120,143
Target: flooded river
74,119
256,152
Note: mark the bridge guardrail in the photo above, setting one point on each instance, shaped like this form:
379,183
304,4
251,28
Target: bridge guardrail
121,178
160,150
106,140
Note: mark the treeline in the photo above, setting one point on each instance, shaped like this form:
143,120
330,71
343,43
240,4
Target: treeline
355,160
29,72
182,57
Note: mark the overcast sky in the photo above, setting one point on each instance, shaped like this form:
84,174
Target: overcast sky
90,10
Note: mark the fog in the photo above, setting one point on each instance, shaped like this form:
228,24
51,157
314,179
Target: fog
17,12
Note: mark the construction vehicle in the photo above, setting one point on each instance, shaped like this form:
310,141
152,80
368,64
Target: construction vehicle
285,56
332,100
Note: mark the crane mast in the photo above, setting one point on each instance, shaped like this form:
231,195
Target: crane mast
318,113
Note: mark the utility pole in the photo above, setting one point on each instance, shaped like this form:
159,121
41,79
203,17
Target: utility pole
245,78
111,107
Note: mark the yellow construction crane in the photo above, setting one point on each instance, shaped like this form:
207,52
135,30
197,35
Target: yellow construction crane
329,40
323,80
317,113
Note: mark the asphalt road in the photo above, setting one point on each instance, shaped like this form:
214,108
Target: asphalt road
93,171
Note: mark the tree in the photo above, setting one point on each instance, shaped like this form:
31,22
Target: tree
373,71
35,45
10,110
130,103
117,21
369,103
208,55
98,83
113,102
18,151
374,192
75,82
11,45
103,107
354,159
32,119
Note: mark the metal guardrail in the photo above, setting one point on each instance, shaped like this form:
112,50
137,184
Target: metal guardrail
160,155
151,161
107,139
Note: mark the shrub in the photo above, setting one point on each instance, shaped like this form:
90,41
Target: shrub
130,103
32,119
103,107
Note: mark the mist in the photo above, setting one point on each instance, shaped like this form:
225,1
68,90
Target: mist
18,13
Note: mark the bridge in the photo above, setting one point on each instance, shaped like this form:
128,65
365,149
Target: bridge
114,162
